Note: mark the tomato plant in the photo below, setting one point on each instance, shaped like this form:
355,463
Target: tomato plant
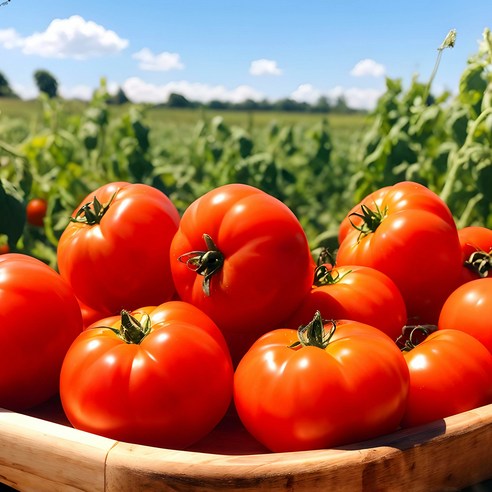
160,376
357,293
39,319
450,372
242,257
476,246
469,309
409,234
327,384
115,250
36,209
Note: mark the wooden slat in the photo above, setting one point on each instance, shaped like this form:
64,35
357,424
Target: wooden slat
37,455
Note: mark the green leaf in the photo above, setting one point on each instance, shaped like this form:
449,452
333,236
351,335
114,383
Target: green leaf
12,212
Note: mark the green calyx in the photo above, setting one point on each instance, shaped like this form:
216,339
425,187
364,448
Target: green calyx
413,335
324,275
314,334
91,213
371,219
206,263
131,329
480,263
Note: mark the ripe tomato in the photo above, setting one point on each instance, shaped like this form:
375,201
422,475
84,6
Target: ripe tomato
344,382
410,235
159,376
36,211
115,251
450,372
357,293
476,246
242,257
469,309
39,319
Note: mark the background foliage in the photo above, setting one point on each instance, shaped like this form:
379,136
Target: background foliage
320,165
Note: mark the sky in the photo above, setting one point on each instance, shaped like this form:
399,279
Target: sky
236,50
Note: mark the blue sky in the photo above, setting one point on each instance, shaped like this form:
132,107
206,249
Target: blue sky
233,50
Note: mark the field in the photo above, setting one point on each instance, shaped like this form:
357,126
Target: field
319,165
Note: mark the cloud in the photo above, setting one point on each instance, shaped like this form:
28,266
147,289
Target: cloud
161,62
356,98
140,91
306,93
66,38
264,67
25,92
83,92
368,67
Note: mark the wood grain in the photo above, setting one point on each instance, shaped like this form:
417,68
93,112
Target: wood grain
41,455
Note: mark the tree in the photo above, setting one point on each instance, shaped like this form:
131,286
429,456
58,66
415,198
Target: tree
178,101
46,83
119,98
5,89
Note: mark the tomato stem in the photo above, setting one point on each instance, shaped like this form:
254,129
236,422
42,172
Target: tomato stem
205,263
480,263
416,335
314,334
371,219
323,275
91,213
132,330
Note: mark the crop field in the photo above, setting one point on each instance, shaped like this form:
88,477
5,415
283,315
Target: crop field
320,165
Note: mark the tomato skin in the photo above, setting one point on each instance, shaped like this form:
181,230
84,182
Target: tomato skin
469,309
473,239
267,267
169,390
360,294
4,249
36,211
416,244
450,373
122,262
39,319
292,400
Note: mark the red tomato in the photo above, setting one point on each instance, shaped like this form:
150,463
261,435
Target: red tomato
90,315
450,372
36,211
357,293
409,235
159,376
345,382
115,251
4,249
39,319
469,309
242,257
476,246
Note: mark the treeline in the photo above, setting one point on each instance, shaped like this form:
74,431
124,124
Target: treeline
47,83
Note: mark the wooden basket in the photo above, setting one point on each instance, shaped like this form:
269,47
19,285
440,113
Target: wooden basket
41,452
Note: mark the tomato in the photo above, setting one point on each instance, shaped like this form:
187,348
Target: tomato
115,251
159,376
39,319
469,309
4,249
357,293
410,235
321,386
90,315
450,372
242,257
36,211
476,246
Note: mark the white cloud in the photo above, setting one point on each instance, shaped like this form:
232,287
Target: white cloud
368,67
9,38
140,91
66,38
160,62
356,98
264,67
306,93
83,92
25,92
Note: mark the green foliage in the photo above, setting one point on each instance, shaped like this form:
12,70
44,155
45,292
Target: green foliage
46,83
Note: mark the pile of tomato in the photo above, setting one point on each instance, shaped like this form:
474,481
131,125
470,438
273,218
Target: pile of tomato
156,326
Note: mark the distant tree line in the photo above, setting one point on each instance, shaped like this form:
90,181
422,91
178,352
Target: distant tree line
47,83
